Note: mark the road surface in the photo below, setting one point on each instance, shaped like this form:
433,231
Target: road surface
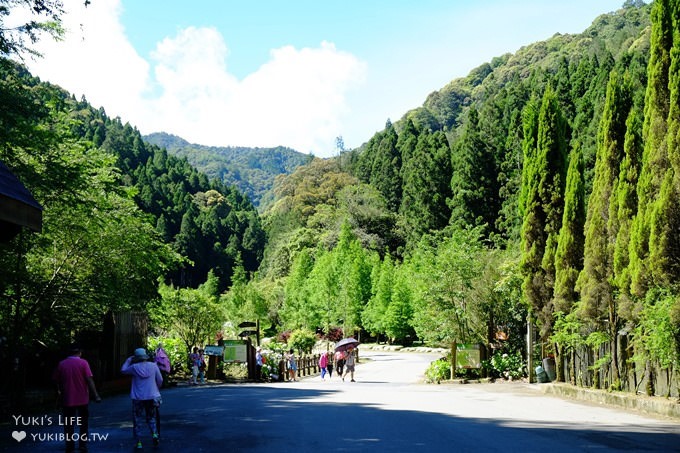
388,409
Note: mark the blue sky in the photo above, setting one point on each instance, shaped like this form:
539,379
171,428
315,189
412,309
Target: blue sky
295,73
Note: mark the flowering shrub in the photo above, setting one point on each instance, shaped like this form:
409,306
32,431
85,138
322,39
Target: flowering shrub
506,366
334,334
270,367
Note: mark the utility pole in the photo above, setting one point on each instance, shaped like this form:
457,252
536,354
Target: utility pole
530,348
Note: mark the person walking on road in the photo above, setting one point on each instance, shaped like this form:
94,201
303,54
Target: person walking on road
146,398
75,386
340,361
201,366
258,364
350,361
329,365
292,365
323,364
194,363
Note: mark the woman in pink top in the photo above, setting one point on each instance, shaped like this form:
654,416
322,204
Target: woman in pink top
323,363
146,378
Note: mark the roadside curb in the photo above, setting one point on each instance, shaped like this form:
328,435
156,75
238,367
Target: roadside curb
656,405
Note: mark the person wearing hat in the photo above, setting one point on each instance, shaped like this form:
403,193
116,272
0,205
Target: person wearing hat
146,379
75,386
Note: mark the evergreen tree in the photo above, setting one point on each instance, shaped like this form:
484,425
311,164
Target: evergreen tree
569,256
297,296
474,191
595,281
385,173
664,238
427,179
399,313
625,203
655,157
542,202
406,143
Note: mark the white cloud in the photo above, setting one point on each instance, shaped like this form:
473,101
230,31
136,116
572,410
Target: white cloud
296,99
95,59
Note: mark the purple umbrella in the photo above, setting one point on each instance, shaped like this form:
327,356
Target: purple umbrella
345,344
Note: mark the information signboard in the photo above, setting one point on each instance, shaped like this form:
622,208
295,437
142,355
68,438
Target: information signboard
213,350
468,355
235,351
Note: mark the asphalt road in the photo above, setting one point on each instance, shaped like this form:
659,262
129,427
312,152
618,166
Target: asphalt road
388,409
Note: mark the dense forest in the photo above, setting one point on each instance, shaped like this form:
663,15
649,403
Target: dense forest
540,187
539,190
119,215
251,170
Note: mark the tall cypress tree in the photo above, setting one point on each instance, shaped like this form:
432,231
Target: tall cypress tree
543,204
531,210
594,284
569,256
655,157
624,202
664,247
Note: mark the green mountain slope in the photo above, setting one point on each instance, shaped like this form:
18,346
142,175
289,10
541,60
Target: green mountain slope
251,170
482,118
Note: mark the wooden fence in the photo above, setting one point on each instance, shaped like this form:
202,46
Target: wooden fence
593,368
308,365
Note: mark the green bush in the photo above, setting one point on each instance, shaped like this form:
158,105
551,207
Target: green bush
302,340
439,370
235,371
506,366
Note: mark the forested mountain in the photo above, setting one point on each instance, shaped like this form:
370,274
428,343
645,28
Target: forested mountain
541,189
542,186
251,170
120,215
481,118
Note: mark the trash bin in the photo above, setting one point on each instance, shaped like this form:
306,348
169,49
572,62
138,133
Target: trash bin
541,376
549,367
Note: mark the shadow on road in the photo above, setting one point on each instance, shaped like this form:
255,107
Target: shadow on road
283,418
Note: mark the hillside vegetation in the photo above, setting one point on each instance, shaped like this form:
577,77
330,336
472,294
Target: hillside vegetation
541,189
542,186
251,170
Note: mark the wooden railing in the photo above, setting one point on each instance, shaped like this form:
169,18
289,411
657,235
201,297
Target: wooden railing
308,365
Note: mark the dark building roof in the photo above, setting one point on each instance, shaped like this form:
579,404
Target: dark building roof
18,208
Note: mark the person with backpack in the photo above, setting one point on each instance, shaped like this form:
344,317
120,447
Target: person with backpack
163,363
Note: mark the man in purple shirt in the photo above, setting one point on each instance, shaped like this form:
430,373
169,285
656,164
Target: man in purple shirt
75,385
146,378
